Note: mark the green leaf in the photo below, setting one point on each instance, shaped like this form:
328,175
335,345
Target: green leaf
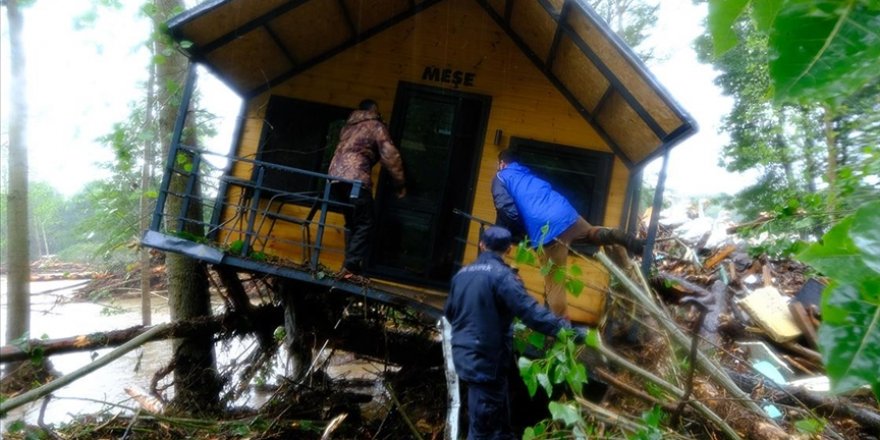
837,256
575,270
825,49
536,339
765,12
722,16
810,426
527,371
593,339
574,287
151,194
577,377
16,426
544,380
866,235
565,412
849,337
524,255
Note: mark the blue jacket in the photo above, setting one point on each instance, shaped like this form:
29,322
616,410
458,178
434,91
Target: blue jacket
521,197
484,298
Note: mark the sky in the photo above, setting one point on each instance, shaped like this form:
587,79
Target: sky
81,82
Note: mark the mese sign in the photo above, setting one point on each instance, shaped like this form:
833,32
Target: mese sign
448,76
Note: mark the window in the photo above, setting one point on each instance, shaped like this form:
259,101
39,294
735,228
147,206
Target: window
298,134
582,176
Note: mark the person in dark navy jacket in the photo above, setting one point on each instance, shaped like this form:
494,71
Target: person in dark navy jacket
484,298
526,205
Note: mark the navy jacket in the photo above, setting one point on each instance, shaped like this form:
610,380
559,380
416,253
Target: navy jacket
522,198
484,298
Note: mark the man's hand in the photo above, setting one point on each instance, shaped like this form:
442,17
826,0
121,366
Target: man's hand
401,192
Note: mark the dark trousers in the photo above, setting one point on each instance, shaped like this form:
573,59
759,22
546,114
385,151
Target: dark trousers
489,411
359,220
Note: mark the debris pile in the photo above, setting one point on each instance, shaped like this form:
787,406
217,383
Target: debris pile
755,317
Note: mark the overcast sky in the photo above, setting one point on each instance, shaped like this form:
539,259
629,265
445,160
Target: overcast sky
82,81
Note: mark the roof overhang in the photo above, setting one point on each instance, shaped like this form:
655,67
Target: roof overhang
565,39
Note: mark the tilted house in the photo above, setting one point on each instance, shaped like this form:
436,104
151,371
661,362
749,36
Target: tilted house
457,82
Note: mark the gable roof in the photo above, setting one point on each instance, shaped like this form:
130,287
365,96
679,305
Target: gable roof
598,74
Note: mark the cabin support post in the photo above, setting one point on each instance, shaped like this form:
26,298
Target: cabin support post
629,217
175,146
648,257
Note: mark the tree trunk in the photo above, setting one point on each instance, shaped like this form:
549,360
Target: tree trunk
831,171
18,259
146,185
196,382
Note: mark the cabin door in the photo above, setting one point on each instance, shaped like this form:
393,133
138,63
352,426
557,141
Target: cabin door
419,240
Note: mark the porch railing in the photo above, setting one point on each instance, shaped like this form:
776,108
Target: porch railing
201,201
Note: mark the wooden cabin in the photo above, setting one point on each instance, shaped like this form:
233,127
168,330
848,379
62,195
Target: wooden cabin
457,81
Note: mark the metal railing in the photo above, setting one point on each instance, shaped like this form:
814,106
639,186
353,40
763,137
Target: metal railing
201,201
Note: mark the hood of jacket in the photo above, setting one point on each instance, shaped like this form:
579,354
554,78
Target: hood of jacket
358,116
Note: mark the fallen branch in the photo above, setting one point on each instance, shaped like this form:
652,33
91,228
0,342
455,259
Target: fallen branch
402,413
824,405
96,341
706,365
669,388
41,391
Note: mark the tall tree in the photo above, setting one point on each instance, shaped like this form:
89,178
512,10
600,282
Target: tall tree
146,183
18,259
632,20
796,145
196,381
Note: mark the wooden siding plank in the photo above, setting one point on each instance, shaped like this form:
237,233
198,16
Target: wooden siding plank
534,25
221,21
313,28
579,74
625,126
241,59
637,85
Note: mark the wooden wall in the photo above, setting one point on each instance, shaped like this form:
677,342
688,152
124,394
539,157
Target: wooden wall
459,35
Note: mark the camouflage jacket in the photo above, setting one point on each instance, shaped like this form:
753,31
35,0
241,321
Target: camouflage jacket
362,142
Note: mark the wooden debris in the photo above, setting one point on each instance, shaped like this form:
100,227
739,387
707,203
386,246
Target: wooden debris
719,256
769,309
804,323
145,400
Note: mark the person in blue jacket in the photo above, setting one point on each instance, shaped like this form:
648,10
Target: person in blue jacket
526,204
484,298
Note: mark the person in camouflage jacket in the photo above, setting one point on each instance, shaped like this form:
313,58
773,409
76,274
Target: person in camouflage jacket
363,141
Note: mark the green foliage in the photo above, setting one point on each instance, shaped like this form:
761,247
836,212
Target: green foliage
849,337
559,365
651,428
36,354
807,127
279,334
810,426
823,50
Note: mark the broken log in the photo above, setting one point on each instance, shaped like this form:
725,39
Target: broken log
707,365
43,390
678,393
113,338
750,424
824,405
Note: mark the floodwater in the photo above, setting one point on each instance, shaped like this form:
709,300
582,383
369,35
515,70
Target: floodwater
55,315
